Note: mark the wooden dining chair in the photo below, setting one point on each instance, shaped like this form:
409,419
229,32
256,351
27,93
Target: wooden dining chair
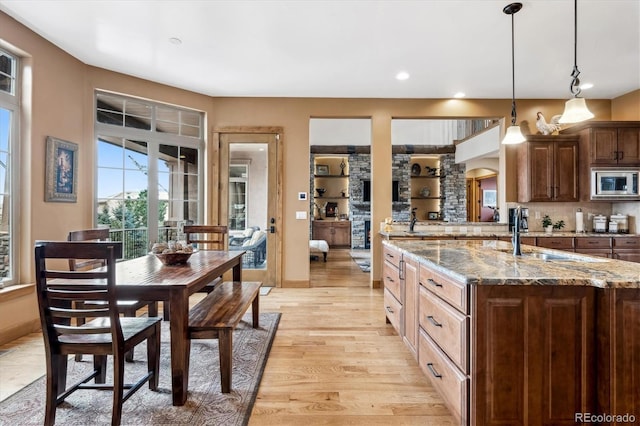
105,334
128,308
204,237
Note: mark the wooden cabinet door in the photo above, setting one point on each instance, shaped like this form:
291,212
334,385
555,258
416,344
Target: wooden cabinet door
629,146
322,232
411,284
565,173
341,234
626,397
541,171
618,351
604,144
534,354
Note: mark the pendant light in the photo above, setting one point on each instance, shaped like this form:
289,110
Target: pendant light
575,109
513,134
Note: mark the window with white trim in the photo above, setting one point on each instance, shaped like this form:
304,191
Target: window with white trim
148,170
9,118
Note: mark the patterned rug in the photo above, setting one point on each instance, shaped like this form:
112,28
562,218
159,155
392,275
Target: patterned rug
205,405
362,259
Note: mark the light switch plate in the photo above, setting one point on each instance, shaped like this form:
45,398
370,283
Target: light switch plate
301,215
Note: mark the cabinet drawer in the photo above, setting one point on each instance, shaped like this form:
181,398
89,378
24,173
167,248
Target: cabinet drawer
393,310
555,242
391,279
446,326
603,252
446,288
391,255
626,242
591,243
451,384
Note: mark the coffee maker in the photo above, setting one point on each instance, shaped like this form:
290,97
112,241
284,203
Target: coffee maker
524,220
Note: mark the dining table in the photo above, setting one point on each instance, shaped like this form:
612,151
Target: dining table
147,278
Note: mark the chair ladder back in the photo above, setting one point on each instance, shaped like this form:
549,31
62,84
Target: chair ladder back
207,237
99,234
56,298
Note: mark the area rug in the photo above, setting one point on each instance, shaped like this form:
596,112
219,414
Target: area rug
362,259
205,405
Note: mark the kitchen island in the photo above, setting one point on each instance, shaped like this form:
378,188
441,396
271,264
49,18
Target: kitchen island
540,338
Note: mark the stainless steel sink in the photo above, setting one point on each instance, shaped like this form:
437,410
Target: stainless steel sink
547,257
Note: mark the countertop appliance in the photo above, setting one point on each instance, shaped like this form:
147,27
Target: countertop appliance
619,183
524,221
622,223
599,223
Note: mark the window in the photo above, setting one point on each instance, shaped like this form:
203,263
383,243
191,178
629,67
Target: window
9,109
148,170
238,209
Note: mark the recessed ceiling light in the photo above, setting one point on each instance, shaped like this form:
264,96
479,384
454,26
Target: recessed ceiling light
175,40
586,86
459,95
402,75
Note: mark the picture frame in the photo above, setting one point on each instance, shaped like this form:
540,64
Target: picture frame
432,215
322,169
61,171
489,198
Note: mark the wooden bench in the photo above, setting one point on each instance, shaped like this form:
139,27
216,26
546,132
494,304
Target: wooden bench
218,314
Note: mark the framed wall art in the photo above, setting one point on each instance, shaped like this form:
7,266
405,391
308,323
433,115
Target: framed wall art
322,169
61,179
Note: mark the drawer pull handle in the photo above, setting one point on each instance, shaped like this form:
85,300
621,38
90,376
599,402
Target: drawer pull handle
390,279
390,310
433,371
433,321
390,255
433,283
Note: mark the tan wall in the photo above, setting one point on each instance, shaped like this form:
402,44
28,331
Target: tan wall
626,107
62,106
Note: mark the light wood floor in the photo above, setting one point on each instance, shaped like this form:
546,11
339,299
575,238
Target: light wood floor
334,360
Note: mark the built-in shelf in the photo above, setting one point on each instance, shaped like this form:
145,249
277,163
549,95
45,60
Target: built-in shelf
331,198
426,198
331,176
427,177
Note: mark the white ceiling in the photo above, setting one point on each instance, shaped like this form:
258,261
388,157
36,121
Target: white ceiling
350,48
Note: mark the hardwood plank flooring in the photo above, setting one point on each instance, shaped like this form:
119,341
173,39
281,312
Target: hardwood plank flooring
335,361
338,271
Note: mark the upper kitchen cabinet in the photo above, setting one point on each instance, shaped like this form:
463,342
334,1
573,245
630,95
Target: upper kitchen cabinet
548,169
610,143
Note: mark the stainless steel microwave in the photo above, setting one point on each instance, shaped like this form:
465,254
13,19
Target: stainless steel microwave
619,183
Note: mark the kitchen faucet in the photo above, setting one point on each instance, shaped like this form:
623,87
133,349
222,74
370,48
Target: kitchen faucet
414,219
515,239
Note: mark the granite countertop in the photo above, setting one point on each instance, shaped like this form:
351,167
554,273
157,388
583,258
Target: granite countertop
495,234
478,262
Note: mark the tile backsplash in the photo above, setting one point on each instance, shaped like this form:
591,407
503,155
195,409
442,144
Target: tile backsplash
567,212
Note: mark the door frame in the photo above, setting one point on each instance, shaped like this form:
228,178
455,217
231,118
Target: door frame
219,210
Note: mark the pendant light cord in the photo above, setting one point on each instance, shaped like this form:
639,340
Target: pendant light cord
513,76
574,87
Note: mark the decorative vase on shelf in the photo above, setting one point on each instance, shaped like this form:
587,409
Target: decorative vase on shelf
342,166
321,191
425,192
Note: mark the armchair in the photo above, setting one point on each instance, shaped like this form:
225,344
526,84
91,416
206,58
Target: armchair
255,249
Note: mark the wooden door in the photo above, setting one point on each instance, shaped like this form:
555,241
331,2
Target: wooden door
629,146
264,203
411,285
604,143
565,171
541,178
